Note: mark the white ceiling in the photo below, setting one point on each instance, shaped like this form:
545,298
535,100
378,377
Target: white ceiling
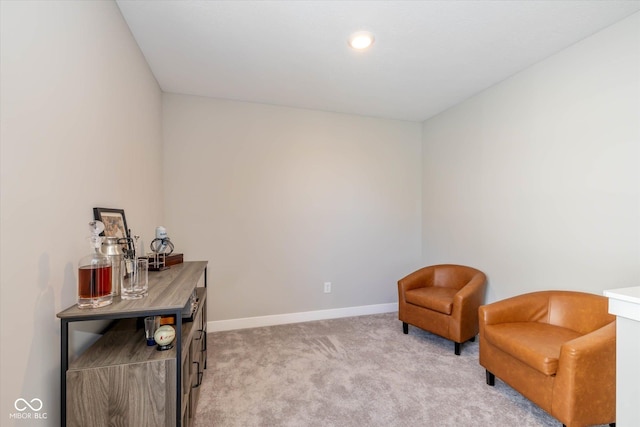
427,57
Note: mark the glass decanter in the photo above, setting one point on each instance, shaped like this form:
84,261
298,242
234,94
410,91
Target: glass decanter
94,273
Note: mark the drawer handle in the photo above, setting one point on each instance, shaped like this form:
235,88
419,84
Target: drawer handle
200,374
200,337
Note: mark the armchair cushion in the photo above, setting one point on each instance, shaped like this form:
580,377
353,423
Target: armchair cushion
434,298
534,344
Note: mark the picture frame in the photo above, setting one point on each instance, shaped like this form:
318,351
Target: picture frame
115,223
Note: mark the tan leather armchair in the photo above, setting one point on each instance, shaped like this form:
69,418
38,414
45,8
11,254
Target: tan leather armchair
556,348
444,300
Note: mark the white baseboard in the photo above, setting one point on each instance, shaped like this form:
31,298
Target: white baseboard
307,316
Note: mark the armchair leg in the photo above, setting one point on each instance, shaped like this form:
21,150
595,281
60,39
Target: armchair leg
457,348
405,327
491,379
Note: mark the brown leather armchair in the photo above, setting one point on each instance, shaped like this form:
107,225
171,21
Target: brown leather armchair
558,349
444,300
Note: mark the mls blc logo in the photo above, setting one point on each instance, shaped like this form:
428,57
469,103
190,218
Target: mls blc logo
28,409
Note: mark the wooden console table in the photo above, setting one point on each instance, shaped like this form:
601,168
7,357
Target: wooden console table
138,385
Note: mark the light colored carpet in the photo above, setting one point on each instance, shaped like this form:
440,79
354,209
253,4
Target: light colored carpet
352,372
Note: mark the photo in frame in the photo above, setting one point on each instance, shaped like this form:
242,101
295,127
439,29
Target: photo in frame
115,223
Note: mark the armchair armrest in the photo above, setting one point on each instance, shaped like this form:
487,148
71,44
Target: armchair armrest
468,299
474,289
586,377
464,314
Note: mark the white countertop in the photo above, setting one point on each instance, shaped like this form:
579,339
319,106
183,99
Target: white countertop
624,302
625,294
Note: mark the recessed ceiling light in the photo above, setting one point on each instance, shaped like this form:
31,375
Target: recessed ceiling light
361,40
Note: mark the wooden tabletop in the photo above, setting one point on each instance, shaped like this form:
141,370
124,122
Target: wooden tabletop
169,291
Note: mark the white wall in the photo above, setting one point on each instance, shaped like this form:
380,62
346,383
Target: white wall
280,200
536,181
81,128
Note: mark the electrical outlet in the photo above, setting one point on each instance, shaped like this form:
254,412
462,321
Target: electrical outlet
327,287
